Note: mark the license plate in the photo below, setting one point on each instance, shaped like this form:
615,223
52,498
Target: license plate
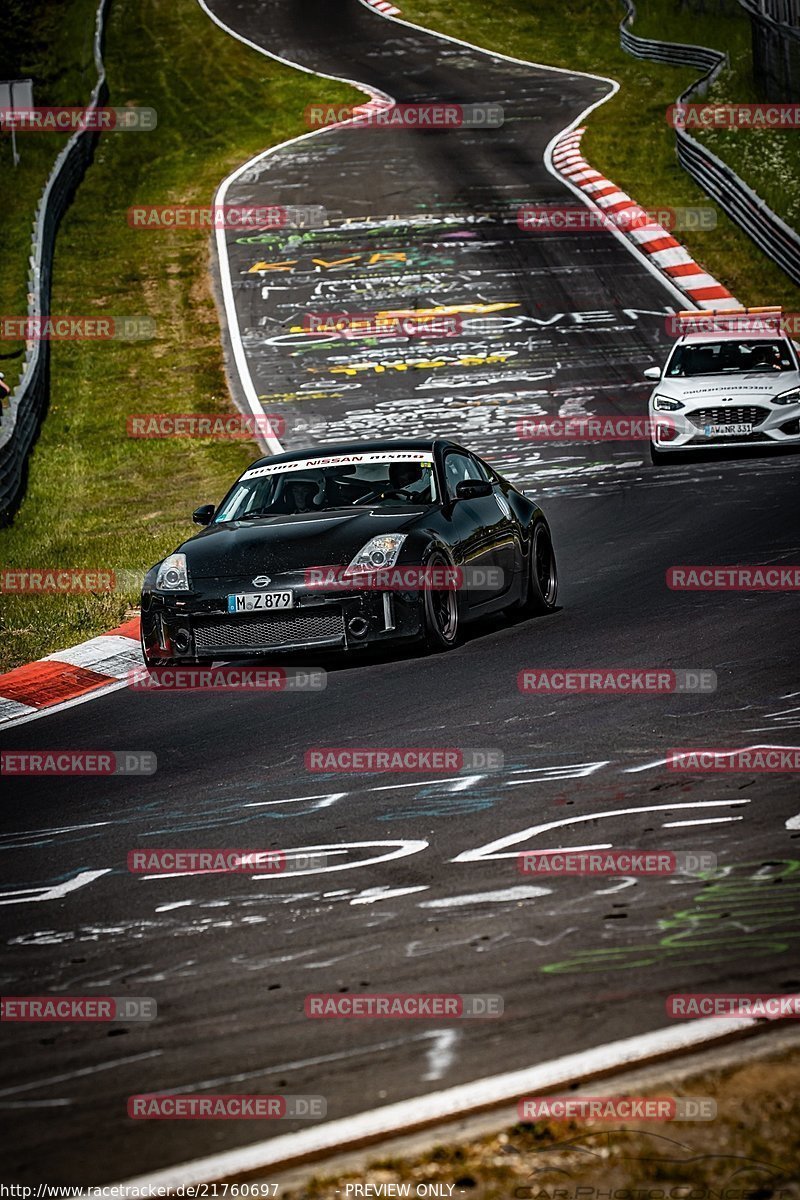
259,601
726,430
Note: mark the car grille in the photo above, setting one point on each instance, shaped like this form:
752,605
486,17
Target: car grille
740,414
261,631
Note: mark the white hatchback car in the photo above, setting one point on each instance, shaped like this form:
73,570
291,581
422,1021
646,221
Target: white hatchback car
732,379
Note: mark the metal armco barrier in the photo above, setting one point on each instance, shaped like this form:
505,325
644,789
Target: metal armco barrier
775,26
748,210
27,404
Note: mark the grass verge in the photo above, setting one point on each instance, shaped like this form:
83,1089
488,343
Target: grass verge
95,498
627,138
748,1152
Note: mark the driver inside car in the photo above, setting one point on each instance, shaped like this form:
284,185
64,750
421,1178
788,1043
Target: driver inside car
401,476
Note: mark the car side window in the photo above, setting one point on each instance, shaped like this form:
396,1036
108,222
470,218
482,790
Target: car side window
457,467
479,470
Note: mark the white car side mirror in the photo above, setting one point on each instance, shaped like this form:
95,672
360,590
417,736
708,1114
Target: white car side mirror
652,373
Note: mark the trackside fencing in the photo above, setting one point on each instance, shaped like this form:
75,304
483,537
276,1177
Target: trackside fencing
742,205
22,415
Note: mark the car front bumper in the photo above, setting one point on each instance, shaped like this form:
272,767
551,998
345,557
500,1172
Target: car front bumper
183,626
775,425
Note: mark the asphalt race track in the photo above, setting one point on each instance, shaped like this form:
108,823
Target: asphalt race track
422,220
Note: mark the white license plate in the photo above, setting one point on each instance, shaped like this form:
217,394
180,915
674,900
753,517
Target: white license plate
259,601
726,430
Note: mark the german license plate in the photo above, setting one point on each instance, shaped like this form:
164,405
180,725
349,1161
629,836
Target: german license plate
259,601
727,430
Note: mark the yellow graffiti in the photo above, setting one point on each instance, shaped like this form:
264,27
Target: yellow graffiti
289,264
446,310
417,365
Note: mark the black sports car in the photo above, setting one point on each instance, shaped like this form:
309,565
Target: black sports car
347,546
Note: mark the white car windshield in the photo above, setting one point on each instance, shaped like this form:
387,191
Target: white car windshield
322,489
729,355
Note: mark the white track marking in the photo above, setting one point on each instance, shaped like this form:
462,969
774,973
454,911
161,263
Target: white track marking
32,895
47,1081
705,821
441,1054
373,895
524,891
492,850
435,1107
793,822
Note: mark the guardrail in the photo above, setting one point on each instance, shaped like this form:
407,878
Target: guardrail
775,26
27,404
741,203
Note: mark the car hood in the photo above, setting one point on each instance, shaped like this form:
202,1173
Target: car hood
289,543
735,387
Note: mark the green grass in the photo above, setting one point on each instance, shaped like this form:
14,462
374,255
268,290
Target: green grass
628,137
66,79
96,498
767,160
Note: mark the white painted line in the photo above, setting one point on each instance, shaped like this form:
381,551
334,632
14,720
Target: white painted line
707,821
378,1124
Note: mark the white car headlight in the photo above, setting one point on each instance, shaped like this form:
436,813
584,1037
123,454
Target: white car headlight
379,552
790,397
666,404
173,574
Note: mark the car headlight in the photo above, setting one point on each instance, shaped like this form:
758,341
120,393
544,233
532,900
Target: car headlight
666,404
379,552
173,574
790,397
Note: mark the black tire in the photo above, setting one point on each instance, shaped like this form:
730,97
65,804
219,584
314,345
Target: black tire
542,573
440,611
657,457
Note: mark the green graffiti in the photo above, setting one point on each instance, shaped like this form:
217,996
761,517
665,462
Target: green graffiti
734,916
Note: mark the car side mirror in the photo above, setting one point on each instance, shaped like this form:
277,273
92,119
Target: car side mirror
472,489
652,373
204,515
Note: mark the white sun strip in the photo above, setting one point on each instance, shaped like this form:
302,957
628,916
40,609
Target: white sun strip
376,1124
341,460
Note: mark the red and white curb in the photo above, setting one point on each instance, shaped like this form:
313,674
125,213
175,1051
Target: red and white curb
80,673
383,6
660,247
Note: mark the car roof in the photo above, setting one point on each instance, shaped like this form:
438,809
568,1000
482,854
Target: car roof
325,451
734,335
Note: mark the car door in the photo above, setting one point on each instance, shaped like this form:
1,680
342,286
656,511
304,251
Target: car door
480,527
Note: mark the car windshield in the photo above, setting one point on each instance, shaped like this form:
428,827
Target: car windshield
294,488
729,356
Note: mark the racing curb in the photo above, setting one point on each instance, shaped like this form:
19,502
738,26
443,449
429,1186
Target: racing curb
384,6
663,250
70,675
